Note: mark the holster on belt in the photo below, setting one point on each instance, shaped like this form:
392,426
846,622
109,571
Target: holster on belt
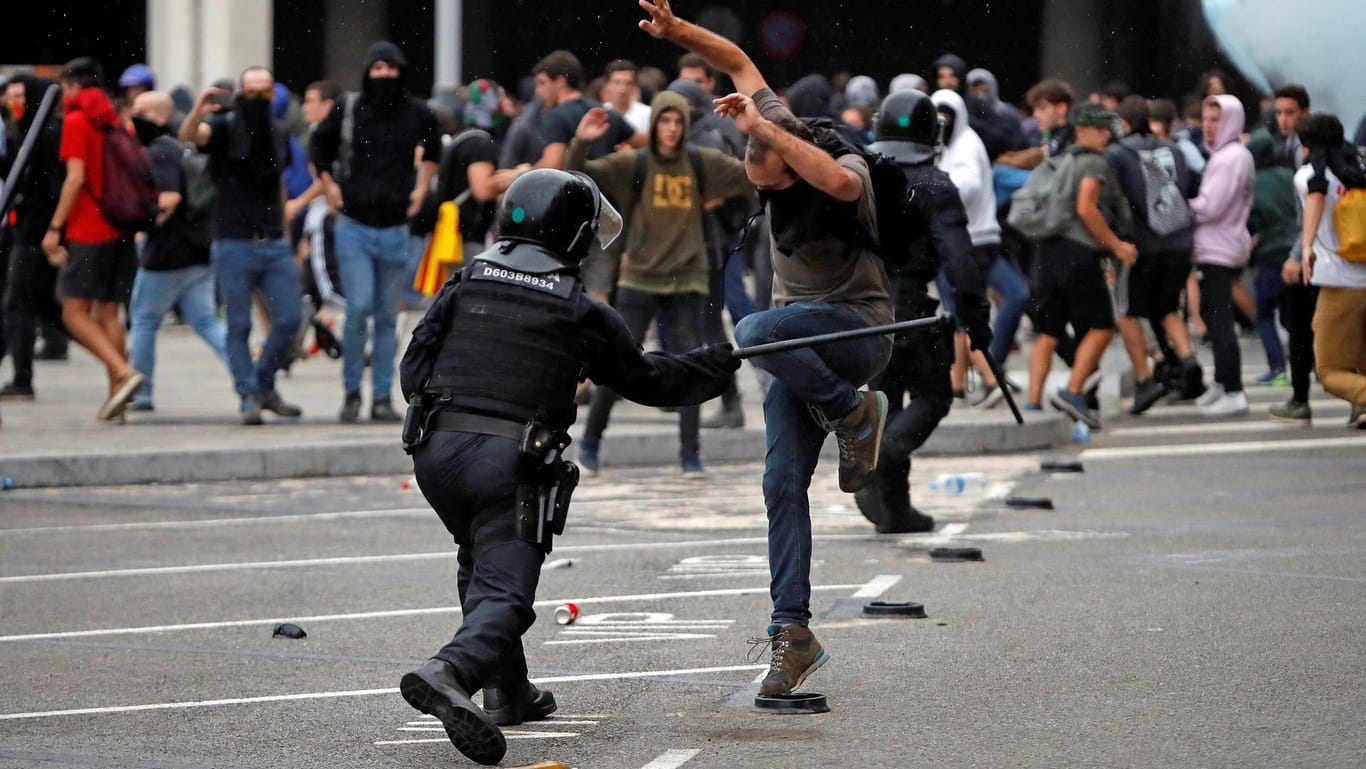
543,504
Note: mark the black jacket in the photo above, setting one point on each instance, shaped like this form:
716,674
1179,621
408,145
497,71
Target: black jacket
943,241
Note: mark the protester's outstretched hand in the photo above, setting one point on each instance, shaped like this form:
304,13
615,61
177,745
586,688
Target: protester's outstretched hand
662,18
741,109
594,124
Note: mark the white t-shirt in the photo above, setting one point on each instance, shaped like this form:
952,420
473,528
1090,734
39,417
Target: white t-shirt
638,116
1329,268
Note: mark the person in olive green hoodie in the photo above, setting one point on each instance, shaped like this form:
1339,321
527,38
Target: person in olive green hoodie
664,262
1273,225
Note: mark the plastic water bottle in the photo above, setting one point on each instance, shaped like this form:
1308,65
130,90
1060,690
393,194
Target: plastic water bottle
6,483
1081,433
954,484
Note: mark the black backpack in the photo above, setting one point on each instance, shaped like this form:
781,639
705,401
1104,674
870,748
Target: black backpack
895,218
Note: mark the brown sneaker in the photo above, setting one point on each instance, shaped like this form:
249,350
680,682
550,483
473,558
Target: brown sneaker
859,436
796,655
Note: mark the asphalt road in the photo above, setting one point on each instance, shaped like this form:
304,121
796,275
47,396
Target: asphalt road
1196,599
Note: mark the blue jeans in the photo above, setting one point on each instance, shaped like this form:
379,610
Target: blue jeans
154,293
1270,288
267,267
1005,276
373,262
811,387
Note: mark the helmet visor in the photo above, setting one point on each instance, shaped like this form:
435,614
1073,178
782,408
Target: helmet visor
608,223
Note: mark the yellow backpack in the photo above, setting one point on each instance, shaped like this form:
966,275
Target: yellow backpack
1349,215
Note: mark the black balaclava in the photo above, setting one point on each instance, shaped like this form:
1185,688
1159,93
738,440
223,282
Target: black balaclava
147,130
388,93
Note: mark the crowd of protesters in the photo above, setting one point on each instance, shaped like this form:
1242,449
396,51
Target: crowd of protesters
306,212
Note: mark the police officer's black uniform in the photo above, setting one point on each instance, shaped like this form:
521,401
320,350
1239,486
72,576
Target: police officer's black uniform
908,130
490,376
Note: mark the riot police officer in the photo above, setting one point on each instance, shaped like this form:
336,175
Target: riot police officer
908,130
490,376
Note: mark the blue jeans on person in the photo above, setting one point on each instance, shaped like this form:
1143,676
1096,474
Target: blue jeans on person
1010,283
267,267
373,262
155,292
1270,288
811,387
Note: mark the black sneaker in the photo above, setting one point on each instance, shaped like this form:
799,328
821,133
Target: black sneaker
530,704
1192,380
274,403
350,410
251,411
17,392
432,689
1147,393
383,411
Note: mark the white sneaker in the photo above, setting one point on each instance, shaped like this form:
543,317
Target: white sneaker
1228,405
1212,394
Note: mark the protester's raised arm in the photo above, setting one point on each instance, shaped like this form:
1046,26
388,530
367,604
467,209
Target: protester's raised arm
718,51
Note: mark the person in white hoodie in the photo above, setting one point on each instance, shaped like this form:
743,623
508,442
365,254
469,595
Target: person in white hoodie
1223,246
965,160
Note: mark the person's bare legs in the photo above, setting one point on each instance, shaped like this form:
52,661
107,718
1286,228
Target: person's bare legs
1040,361
1244,301
1193,303
1178,334
979,362
958,373
1089,350
87,322
1131,331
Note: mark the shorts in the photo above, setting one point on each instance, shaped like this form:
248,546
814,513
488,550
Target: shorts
100,272
1069,287
1156,283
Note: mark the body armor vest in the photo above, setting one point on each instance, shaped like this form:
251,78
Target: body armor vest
513,349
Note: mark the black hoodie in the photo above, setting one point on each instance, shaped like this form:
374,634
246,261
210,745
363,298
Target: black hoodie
389,126
41,183
953,62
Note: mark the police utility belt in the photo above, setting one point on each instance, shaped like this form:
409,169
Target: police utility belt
543,501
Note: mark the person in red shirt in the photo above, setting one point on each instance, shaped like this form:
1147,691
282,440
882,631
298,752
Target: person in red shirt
97,260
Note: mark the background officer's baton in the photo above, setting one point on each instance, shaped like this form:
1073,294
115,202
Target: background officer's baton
1005,388
21,159
839,336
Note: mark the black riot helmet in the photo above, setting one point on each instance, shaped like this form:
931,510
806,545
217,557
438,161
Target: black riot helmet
907,127
560,211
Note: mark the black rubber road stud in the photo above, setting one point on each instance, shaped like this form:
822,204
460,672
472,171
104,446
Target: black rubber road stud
289,630
791,704
908,609
955,554
1037,503
1060,466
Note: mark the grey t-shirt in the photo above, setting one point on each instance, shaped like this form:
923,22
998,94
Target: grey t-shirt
829,269
1113,206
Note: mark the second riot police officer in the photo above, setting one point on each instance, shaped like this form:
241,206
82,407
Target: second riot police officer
908,130
490,376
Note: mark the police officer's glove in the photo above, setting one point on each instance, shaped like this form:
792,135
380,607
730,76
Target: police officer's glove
976,320
722,356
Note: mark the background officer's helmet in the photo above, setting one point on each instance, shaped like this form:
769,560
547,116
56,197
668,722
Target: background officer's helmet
558,210
908,116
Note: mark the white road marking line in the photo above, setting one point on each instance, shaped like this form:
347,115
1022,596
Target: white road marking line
877,586
506,735
1043,535
208,522
671,759
1199,449
1266,425
354,693
948,532
392,613
622,638
392,558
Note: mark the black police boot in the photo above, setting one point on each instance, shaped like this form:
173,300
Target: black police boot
433,690
892,485
527,704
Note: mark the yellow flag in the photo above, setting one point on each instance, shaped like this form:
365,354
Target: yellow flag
444,251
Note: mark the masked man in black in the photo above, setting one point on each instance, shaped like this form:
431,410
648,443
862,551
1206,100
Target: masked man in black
490,376
908,131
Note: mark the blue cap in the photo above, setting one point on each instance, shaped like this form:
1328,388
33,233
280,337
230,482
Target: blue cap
138,74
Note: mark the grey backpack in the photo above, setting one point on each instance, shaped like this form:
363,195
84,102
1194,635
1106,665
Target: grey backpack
1047,203
1166,207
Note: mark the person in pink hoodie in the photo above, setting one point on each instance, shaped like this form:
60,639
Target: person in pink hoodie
1222,246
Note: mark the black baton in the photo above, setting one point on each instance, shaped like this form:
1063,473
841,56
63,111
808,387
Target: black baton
839,336
21,159
1005,387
